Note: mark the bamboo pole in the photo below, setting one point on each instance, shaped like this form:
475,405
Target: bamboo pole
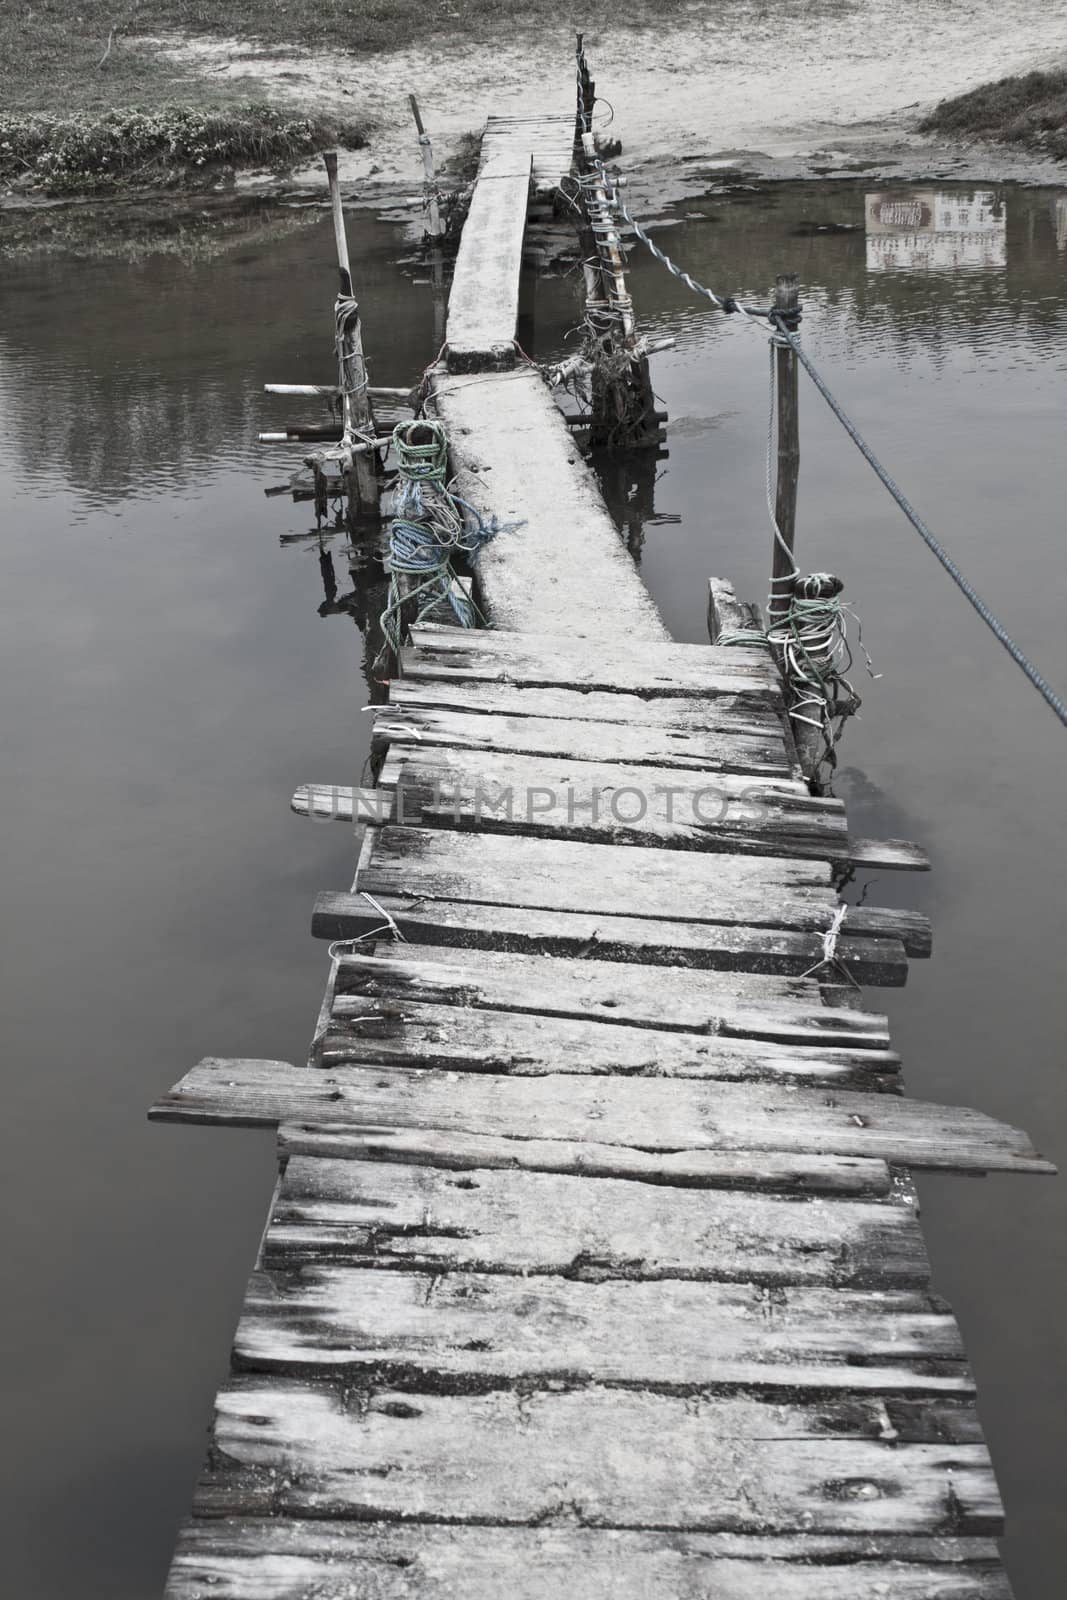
432,208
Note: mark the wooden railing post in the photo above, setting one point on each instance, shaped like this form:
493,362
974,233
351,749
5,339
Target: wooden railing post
787,300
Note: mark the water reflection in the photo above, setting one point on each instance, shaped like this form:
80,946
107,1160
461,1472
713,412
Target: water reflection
922,230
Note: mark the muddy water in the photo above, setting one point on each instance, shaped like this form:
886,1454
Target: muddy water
176,658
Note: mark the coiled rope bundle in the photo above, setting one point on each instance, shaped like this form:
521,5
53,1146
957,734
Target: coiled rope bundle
811,639
431,526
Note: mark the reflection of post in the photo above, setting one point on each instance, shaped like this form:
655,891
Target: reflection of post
360,470
786,300
432,211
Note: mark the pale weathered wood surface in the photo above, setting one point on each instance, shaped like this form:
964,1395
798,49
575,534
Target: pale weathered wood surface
609,1458
514,459
634,666
293,1558
738,1005
663,1114
522,1222
549,139
566,798
491,1329
415,1033
754,752
764,1171
707,946
727,715
483,305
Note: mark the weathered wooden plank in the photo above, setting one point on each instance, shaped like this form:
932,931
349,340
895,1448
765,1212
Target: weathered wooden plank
612,803
425,1218
567,875
295,1558
652,1114
455,1038
758,752
892,855
765,1171
560,660
483,305
483,1329
741,1006
705,946
513,458
341,803
570,875
726,715
617,1460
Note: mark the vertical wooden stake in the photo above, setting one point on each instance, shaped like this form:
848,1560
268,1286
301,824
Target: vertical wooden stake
786,299
344,270
360,472
428,170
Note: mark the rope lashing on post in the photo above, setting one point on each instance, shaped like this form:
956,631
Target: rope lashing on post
831,962
811,639
432,525
346,311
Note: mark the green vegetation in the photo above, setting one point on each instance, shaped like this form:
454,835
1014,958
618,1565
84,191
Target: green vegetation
1030,110
99,153
85,110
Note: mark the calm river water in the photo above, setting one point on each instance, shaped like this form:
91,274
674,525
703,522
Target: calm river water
167,678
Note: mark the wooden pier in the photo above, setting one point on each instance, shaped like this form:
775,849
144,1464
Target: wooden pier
594,1266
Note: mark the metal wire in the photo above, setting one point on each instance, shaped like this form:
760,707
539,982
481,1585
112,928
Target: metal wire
996,627
750,314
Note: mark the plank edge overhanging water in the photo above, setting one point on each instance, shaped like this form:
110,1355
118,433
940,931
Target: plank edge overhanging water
475,1255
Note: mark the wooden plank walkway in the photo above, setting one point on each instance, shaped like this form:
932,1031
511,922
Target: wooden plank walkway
594,1264
587,1271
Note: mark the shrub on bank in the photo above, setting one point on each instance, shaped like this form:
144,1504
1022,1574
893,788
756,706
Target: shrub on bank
1030,109
175,144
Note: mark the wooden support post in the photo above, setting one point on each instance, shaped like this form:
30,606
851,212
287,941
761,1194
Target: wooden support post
361,470
786,299
340,236
432,209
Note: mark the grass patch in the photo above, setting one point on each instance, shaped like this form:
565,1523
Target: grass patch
1029,110
101,153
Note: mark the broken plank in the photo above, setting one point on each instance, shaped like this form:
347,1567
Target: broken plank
757,753
725,715
632,666
652,1114
888,855
609,802
332,802
706,946
765,1171
484,1330
281,1558
682,998
429,1220
724,1465
406,1032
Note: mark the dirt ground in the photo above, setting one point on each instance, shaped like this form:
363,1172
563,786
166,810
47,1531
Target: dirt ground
792,92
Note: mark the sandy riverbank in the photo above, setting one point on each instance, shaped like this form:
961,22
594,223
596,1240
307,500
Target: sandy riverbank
805,92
